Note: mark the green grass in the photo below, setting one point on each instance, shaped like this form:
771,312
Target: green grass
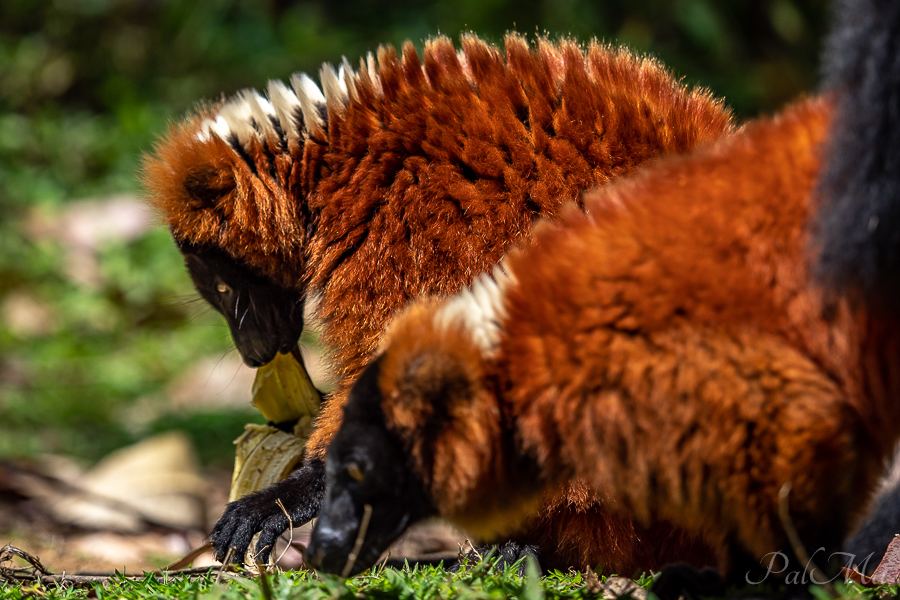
421,583
425,583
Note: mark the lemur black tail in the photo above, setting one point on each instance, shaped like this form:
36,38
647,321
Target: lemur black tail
858,229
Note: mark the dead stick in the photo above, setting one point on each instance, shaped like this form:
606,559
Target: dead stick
794,538
357,545
30,573
81,580
290,528
225,563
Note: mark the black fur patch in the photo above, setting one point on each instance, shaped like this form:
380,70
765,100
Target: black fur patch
264,318
858,226
366,467
301,494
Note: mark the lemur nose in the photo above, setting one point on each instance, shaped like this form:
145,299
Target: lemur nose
251,361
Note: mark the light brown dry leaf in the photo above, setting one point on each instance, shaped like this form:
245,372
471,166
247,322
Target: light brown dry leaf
154,481
887,572
622,587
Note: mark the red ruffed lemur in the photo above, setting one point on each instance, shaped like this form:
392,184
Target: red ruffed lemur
701,334
406,178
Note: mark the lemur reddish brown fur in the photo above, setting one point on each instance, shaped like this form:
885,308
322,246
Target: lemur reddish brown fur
726,371
713,342
668,344
423,176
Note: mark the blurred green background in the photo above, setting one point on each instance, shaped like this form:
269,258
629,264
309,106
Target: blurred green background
97,317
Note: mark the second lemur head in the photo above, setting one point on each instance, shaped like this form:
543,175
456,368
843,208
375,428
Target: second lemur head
423,434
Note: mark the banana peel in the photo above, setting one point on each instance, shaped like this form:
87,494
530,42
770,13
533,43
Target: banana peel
283,392
264,455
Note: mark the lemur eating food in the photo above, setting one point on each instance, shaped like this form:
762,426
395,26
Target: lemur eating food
403,178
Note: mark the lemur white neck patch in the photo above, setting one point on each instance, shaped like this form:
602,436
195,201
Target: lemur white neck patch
292,113
295,112
287,115
480,309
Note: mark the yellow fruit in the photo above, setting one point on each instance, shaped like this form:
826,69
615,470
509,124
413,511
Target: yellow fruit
283,390
265,455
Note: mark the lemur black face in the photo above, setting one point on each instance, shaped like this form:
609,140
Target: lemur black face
365,467
264,317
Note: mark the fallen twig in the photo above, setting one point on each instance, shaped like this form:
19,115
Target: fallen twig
290,528
225,563
360,537
36,573
797,544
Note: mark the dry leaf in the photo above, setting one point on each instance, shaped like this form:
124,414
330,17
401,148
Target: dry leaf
265,455
156,480
887,572
592,583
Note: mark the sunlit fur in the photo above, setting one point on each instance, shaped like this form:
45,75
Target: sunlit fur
696,367
669,346
410,176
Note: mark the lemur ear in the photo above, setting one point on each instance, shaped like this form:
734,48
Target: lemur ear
204,185
428,387
437,398
429,371
191,181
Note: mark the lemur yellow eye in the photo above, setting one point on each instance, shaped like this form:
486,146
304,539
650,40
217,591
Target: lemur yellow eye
354,471
222,288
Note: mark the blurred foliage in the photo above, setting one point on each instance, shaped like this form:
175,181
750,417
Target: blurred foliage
86,85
